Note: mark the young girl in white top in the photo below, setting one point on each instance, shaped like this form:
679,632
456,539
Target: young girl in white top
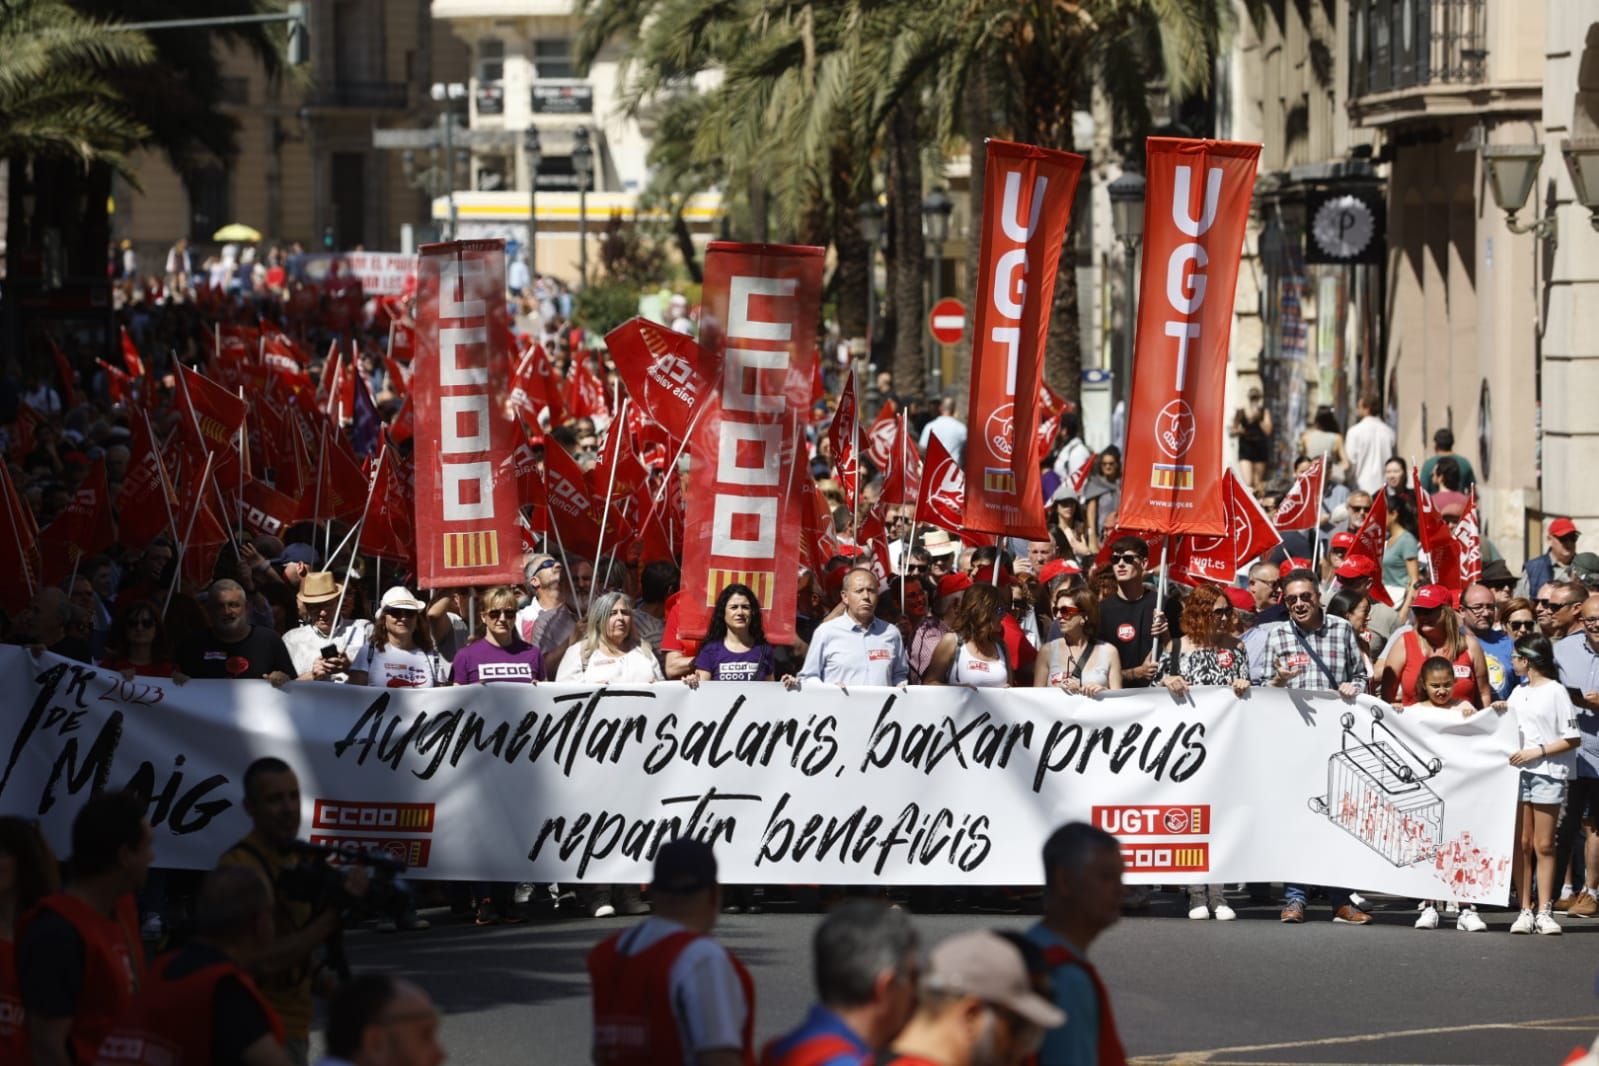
974,654
1547,757
1435,687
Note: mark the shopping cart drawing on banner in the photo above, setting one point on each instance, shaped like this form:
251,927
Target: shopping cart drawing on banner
1377,792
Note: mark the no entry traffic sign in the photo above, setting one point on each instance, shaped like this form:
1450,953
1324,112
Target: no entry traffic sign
948,321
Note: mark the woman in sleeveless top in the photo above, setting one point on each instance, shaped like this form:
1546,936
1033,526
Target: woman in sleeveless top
974,653
1252,427
1076,662
1206,654
1437,631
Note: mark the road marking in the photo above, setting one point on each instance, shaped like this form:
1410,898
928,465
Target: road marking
1587,1022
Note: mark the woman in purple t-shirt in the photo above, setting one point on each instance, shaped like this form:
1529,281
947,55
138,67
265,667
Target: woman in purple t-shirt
735,647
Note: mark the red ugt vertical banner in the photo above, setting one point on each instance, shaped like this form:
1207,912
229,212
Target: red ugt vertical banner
746,508
466,511
1195,206
1027,201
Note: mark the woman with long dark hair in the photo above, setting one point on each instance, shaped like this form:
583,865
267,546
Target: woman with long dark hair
137,642
735,647
974,653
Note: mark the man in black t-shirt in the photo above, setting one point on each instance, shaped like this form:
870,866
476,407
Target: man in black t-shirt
1128,620
233,648
197,1001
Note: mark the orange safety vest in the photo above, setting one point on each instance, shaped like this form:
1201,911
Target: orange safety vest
634,1024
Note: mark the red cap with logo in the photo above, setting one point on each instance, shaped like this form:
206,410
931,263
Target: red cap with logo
1056,567
1293,563
1429,597
1343,541
1356,566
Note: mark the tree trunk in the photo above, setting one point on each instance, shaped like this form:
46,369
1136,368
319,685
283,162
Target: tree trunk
760,227
909,266
685,247
852,272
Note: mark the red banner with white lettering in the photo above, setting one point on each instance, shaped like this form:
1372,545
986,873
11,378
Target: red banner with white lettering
943,496
1196,202
746,508
1027,201
665,372
1469,539
466,509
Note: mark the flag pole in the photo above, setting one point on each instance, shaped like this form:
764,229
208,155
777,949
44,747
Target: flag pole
15,516
904,470
371,489
1315,546
243,455
166,486
566,563
855,447
194,416
183,545
612,443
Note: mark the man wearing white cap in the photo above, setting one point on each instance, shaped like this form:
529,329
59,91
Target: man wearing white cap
978,1007
400,652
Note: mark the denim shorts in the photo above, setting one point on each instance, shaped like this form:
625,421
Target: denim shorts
1541,788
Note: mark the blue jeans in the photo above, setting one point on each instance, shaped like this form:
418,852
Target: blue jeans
1336,897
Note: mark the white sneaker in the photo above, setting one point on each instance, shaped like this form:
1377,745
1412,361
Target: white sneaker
1546,925
1199,913
1429,918
1225,913
1357,901
1470,921
1524,923
605,910
1566,892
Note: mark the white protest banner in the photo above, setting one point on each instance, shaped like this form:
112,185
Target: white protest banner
380,273
888,786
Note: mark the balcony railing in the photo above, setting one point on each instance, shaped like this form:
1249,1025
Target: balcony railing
1407,44
377,95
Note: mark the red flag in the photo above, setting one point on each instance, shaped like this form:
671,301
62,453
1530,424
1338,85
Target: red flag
330,371
1371,539
219,413
943,497
526,396
1301,506
883,435
147,505
664,371
19,547
745,511
466,507
399,377
550,384
282,357
205,533
585,392
1443,553
1469,544
573,511
1195,209
84,527
1027,202
266,510
902,481
873,536
130,355
118,383
1220,558
387,529
817,543
68,376
841,440
1081,475
340,489
818,393
619,473
403,428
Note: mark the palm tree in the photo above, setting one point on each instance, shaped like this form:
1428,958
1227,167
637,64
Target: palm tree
55,99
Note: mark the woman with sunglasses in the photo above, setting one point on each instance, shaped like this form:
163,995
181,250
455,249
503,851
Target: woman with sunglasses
974,653
498,653
1518,617
137,644
400,652
1206,654
1077,661
1073,537
1435,630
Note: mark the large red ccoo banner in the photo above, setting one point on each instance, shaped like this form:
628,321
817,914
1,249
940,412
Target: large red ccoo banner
1027,201
466,512
746,508
1195,205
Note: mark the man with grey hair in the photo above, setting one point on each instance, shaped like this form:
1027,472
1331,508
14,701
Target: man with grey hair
198,1000
232,647
867,960
1082,898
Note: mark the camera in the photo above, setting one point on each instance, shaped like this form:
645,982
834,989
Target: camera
319,883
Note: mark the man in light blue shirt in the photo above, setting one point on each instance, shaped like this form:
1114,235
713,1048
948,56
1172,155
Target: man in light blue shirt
857,647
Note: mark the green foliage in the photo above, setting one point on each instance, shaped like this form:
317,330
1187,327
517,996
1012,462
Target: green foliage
628,255
603,306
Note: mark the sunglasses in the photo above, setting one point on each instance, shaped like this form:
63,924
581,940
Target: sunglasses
403,614
916,568
1518,627
143,621
1544,603
1303,597
1359,510
1225,608
1127,559
503,613
545,565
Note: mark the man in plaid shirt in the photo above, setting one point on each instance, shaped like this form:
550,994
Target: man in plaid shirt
1314,650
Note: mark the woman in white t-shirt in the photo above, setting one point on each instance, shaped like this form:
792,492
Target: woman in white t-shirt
399,653
610,650
974,654
1548,757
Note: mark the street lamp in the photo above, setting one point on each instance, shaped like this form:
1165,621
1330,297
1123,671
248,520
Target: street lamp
1582,159
935,228
583,166
535,159
1512,171
870,214
447,93
1127,220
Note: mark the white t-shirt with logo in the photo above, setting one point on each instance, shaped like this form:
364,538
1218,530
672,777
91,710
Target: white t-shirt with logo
1545,715
392,667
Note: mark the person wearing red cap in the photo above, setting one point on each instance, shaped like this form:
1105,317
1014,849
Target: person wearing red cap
1337,549
1555,563
1436,631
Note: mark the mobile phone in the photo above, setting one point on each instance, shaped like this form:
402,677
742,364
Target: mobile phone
330,651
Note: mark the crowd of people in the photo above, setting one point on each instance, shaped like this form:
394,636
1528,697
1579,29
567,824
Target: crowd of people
1084,611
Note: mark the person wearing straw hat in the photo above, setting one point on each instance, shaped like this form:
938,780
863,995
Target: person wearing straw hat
321,596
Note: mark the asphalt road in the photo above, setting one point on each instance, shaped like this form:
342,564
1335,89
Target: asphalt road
1252,991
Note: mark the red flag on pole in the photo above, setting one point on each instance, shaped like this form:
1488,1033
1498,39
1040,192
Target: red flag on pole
1027,201
130,355
882,435
943,498
902,481
585,392
746,510
1301,506
665,372
266,510
84,527
466,506
1370,541
147,505
1443,553
574,510
1195,207
19,547
1468,540
841,436
69,377
206,532
386,530
1220,558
